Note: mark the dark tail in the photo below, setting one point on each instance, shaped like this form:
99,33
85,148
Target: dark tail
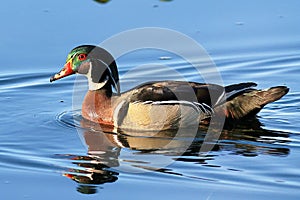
250,102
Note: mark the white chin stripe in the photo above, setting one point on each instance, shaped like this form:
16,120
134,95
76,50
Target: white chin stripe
96,86
92,85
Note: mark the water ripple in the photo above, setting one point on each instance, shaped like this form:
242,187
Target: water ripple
43,133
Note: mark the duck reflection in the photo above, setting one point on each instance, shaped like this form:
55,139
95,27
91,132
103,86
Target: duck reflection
103,160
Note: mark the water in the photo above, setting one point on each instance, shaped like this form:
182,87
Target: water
46,154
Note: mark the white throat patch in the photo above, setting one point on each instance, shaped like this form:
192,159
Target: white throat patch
92,85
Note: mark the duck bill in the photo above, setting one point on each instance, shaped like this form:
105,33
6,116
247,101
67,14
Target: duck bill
66,71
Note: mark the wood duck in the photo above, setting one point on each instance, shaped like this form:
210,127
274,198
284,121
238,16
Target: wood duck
158,105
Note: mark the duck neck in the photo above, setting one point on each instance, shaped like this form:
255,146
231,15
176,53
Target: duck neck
104,87
97,106
96,86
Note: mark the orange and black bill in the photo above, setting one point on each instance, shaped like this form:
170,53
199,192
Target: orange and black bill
66,71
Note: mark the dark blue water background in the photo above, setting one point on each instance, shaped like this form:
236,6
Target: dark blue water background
42,155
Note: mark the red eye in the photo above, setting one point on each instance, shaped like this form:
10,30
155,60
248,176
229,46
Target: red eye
82,57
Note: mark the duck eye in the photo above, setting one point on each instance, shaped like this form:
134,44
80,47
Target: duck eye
82,57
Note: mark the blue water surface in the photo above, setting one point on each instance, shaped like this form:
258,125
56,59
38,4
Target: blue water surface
46,154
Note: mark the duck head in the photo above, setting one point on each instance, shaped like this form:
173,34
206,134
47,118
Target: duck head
95,63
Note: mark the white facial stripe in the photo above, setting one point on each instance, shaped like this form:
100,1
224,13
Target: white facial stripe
92,85
111,75
97,86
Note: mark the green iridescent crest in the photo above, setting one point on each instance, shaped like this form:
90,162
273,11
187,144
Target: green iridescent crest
76,56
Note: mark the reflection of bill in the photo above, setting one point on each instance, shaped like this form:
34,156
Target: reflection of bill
104,159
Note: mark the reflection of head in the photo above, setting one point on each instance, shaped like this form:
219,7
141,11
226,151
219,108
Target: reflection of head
90,170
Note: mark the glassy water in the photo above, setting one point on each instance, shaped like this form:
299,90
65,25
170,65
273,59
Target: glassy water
48,151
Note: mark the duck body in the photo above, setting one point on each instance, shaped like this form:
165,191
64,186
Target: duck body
154,105
158,105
